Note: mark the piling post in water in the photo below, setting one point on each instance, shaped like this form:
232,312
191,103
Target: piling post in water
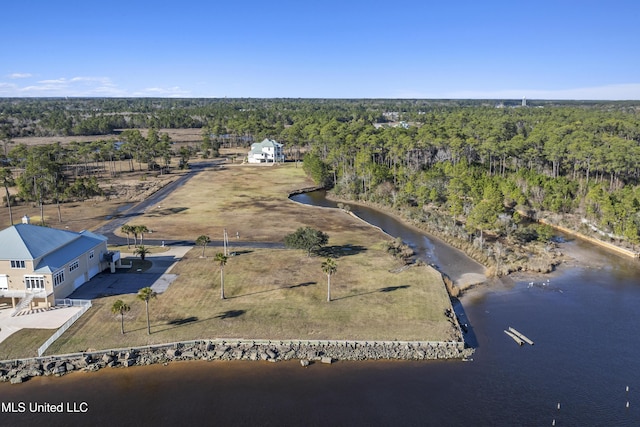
553,423
627,391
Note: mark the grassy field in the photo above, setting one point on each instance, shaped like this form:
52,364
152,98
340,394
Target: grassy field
270,293
249,201
192,137
275,294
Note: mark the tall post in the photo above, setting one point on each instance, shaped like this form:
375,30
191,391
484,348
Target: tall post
224,241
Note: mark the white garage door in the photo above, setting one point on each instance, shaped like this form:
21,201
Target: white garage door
93,271
78,282
4,282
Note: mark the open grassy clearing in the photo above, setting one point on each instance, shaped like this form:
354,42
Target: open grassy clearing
178,136
276,294
246,199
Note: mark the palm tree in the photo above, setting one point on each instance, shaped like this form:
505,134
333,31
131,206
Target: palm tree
329,267
127,229
6,178
140,229
202,241
221,259
142,251
145,294
119,307
135,234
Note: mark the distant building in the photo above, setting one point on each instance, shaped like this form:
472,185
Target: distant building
266,151
40,264
401,124
524,101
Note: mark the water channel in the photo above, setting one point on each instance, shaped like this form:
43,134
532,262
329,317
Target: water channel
583,320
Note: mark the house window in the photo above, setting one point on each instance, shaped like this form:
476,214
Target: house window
74,266
17,264
34,282
58,278
91,255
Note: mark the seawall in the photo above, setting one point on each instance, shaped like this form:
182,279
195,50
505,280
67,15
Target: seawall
592,240
20,370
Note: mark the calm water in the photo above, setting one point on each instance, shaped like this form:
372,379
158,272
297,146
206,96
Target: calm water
586,351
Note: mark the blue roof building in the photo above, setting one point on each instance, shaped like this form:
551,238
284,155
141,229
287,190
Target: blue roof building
43,264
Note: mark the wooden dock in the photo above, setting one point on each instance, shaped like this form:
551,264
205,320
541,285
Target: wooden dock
520,335
515,338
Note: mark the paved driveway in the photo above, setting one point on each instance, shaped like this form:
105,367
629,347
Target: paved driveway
124,281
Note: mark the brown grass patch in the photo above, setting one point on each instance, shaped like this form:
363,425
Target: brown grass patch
276,294
245,199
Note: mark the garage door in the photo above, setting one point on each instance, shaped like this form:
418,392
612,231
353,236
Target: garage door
4,282
93,271
78,282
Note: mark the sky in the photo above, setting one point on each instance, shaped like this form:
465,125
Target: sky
492,49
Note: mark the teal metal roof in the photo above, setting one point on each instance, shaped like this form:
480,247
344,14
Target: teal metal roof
265,143
29,242
64,255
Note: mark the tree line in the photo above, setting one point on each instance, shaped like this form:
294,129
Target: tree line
474,165
55,173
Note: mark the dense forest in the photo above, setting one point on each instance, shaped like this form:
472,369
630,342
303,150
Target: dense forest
471,169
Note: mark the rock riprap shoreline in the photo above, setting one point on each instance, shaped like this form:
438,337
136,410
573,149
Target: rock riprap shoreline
17,371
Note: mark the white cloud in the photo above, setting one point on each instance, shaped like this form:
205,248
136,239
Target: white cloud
81,86
19,76
63,86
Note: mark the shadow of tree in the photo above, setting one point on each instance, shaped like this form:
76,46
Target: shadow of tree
183,321
242,252
393,288
279,288
387,289
338,251
301,285
176,323
167,211
127,215
230,314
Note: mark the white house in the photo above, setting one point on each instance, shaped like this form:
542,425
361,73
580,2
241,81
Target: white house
266,151
39,264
